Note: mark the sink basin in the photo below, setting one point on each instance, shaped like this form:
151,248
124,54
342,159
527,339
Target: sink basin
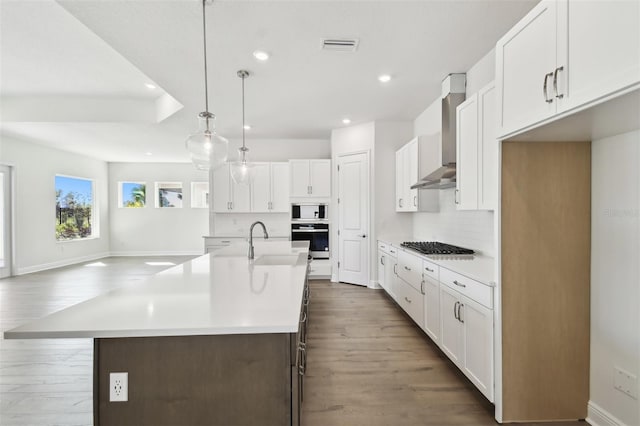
276,259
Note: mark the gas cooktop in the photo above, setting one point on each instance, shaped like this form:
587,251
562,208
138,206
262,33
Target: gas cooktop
435,247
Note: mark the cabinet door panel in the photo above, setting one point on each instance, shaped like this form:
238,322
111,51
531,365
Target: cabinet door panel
279,187
478,345
411,175
450,327
467,154
320,175
400,201
432,309
260,188
221,189
299,178
241,198
601,49
381,272
523,57
390,277
487,149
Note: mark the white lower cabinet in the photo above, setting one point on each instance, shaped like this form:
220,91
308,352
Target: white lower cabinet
411,301
431,295
467,337
387,267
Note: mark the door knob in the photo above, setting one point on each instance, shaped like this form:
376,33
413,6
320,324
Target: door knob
363,236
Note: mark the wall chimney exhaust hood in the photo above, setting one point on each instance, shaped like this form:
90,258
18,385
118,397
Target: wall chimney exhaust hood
453,94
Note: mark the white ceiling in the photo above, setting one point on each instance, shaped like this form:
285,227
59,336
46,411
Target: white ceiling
93,49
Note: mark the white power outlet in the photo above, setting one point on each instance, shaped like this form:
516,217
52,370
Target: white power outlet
625,382
118,387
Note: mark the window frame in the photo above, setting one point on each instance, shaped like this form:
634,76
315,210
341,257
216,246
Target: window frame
94,218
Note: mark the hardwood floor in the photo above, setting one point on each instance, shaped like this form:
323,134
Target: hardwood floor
368,364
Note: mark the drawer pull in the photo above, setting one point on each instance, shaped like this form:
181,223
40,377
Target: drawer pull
429,270
407,299
407,268
422,286
460,306
458,284
392,251
455,310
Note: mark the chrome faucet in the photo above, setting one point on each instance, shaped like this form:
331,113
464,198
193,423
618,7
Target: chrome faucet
266,235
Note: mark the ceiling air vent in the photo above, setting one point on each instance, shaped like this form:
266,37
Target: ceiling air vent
340,44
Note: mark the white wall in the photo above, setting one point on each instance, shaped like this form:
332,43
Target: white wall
150,230
35,167
471,229
615,276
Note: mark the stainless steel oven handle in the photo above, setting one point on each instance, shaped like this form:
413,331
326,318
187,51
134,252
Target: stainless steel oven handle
310,230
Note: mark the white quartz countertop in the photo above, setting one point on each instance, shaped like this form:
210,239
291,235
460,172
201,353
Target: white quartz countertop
477,267
218,293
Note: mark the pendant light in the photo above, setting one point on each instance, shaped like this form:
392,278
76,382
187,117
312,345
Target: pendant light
208,150
241,169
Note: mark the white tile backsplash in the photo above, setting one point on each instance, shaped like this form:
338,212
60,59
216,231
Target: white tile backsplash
238,224
466,228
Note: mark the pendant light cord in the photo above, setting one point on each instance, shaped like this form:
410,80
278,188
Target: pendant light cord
243,129
206,85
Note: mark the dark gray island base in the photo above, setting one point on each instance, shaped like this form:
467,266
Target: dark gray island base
241,379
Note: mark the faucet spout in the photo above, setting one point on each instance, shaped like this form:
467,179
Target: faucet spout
266,235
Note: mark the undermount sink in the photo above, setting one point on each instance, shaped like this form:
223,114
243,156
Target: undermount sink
277,259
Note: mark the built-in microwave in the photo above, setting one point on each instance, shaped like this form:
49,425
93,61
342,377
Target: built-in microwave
313,212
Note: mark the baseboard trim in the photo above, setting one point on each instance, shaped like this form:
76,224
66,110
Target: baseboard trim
156,253
60,263
373,284
598,416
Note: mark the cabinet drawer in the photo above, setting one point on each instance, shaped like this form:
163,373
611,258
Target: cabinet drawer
430,270
411,301
410,269
387,248
474,290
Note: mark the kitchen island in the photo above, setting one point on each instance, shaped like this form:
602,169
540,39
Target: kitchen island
214,341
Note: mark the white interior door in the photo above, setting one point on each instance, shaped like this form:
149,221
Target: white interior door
5,221
353,211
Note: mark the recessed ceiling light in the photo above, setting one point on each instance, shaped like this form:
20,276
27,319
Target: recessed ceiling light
148,153
346,121
247,127
150,86
384,78
261,55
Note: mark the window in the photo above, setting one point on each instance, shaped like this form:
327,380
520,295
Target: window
169,194
74,208
132,194
199,195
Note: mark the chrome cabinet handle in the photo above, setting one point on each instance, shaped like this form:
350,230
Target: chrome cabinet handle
458,284
455,310
400,202
430,270
392,251
382,260
304,317
460,305
455,196
544,88
415,201
555,82
422,286
395,268
407,268
407,299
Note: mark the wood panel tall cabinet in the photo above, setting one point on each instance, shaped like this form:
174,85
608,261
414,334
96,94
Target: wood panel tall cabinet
545,244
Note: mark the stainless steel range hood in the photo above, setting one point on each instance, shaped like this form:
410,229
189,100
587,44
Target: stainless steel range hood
453,94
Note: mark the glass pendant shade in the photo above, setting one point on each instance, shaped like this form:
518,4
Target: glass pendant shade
242,169
208,150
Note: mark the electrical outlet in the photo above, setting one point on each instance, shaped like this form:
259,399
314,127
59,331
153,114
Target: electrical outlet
118,387
625,382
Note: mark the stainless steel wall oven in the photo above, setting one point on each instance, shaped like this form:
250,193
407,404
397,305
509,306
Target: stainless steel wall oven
318,236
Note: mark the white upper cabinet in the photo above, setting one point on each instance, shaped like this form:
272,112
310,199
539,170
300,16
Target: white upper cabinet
600,48
228,196
270,188
310,178
414,160
477,152
565,54
467,154
525,64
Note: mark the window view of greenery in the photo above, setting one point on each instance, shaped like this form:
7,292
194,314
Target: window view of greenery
74,208
133,194
169,194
